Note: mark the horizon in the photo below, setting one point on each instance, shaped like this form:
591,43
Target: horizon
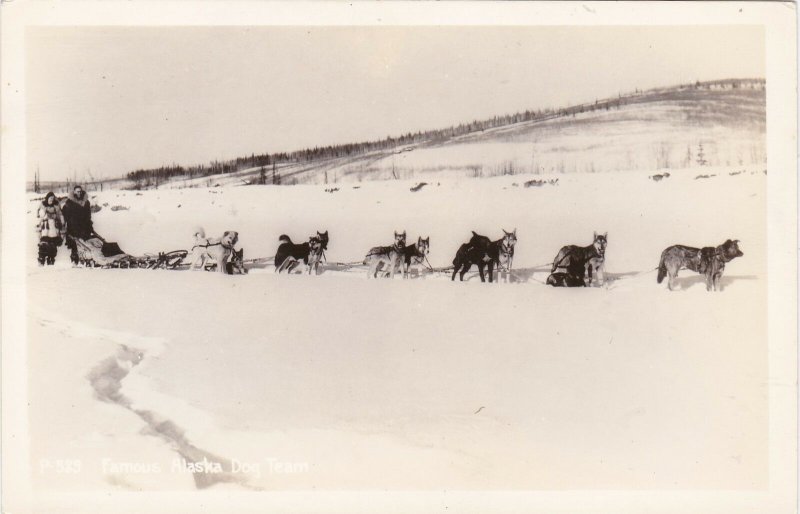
410,83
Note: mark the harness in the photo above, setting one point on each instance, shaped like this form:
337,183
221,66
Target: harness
229,247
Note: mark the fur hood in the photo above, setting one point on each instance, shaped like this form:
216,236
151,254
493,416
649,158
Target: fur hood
85,201
57,203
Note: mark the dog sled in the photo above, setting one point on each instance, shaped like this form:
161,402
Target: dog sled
96,252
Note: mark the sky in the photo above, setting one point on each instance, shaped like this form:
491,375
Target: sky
103,101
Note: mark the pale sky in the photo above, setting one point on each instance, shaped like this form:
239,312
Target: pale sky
111,100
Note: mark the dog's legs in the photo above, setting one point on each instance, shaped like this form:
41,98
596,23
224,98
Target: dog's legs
456,267
481,265
672,274
464,269
491,270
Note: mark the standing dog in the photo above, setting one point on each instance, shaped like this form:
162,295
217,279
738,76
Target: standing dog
289,254
386,257
480,250
415,254
579,261
709,261
214,249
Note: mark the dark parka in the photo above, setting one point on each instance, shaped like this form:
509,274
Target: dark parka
78,215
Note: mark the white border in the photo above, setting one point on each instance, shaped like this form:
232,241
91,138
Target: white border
779,20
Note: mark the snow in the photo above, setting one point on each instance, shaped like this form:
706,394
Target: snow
338,382
661,130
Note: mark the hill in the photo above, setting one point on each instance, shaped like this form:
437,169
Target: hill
720,123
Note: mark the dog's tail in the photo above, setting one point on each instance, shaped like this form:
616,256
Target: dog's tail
662,268
199,232
284,239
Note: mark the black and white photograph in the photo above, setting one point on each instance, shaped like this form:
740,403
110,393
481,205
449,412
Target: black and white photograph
407,257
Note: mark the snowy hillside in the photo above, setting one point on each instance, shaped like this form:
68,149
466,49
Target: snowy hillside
336,382
664,129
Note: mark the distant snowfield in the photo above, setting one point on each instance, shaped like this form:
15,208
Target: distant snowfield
667,130
337,382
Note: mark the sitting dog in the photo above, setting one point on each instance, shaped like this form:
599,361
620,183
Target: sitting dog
709,261
386,257
214,249
565,279
289,254
236,265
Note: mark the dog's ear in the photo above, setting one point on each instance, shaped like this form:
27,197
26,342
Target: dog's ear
595,235
419,240
605,235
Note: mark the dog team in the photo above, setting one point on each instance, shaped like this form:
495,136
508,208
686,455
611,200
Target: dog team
573,266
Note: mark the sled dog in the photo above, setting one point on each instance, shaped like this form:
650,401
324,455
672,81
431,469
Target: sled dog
564,279
311,252
709,261
213,249
581,261
236,265
480,250
386,257
415,255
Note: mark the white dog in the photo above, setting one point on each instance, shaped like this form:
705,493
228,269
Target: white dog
212,249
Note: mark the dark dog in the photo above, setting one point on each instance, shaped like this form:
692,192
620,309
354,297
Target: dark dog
235,266
562,279
290,254
415,255
480,250
708,261
581,261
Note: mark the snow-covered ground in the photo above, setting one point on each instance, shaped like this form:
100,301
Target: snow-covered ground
337,382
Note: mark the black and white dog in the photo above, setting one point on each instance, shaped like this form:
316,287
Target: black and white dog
289,254
480,250
573,263
415,255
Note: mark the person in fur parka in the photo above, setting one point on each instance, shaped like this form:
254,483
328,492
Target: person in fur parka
50,227
78,215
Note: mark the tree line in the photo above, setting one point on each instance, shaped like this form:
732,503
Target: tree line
154,176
